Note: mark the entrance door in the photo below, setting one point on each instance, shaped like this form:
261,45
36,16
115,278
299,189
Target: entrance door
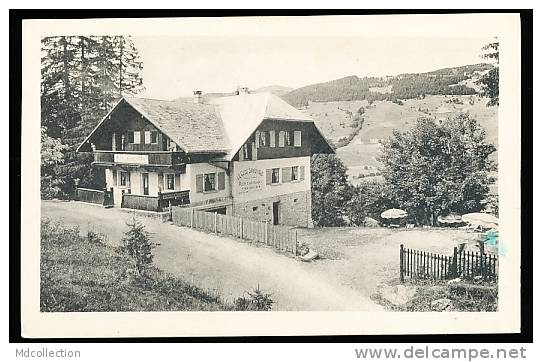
276,213
145,183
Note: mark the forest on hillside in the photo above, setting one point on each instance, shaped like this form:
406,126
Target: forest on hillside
444,81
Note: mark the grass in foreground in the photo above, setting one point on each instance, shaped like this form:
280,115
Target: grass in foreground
83,274
463,297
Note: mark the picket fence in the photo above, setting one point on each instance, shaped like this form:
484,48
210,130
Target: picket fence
418,264
279,237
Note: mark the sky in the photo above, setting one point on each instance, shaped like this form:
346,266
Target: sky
174,66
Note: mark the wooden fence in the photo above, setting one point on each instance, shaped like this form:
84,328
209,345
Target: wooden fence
100,197
418,264
279,237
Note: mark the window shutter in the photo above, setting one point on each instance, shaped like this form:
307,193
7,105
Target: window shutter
199,183
114,141
221,180
241,155
257,138
115,178
286,174
137,137
268,176
147,137
128,178
177,181
271,138
297,138
161,181
254,152
281,138
301,173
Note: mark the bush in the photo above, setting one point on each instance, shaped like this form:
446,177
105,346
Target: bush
138,245
255,301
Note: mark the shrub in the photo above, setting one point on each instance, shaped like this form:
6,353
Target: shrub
138,245
254,301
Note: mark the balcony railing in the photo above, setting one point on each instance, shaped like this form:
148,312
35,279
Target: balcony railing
156,203
151,158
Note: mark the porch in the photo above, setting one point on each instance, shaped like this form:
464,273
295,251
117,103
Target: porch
157,203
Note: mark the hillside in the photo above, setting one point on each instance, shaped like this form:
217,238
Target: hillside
446,81
335,119
277,90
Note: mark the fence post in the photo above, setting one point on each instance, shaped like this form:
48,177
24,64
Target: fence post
454,270
295,243
192,218
401,264
170,212
266,233
241,223
215,221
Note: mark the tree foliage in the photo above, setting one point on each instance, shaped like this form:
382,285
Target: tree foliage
330,190
369,199
404,86
81,78
437,168
51,156
490,80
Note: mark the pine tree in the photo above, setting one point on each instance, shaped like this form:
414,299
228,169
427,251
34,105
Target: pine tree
82,77
129,65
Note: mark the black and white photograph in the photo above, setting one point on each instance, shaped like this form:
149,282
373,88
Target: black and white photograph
276,164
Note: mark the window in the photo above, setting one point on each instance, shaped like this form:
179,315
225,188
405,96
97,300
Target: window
281,138
272,139
288,138
154,137
147,139
247,152
137,137
123,142
209,183
295,173
262,139
275,175
124,178
170,181
130,137
297,138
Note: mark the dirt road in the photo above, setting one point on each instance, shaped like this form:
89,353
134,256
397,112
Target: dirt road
229,267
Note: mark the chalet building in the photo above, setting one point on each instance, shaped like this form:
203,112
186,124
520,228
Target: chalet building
246,155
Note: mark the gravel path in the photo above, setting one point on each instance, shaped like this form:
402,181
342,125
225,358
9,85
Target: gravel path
227,266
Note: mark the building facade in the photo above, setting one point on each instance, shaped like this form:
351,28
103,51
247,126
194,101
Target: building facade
247,155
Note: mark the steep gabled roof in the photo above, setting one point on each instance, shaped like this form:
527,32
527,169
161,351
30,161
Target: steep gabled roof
194,127
222,126
242,114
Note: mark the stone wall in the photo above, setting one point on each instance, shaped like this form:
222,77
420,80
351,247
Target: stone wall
294,209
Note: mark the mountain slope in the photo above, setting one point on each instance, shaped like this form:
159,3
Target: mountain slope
446,81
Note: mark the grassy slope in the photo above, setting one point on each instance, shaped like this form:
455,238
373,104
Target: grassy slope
78,274
384,117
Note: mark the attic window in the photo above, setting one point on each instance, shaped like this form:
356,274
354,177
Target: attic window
154,137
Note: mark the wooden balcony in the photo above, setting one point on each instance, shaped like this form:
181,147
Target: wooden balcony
139,158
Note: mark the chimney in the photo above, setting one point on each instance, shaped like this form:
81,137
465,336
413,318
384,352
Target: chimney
242,90
198,96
